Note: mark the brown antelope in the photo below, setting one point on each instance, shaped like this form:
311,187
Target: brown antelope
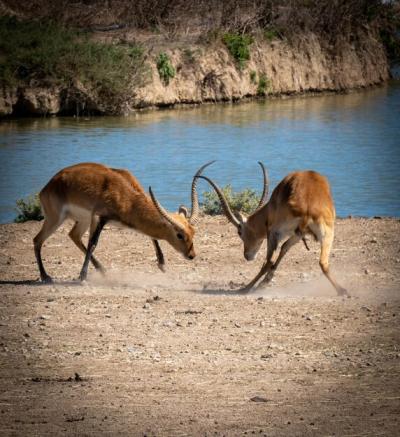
93,194
301,204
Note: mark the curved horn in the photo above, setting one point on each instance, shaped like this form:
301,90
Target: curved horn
264,195
194,216
164,213
224,203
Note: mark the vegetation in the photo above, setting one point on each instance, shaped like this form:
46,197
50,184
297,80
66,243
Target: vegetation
239,47
28,209
34,51
264,85
165,68
245,201
253,76
271,34
189,56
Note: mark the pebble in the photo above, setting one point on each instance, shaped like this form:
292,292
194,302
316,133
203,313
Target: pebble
365,308
266,356
258,399
146,306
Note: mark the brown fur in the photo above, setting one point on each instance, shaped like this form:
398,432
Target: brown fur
301,204
108,194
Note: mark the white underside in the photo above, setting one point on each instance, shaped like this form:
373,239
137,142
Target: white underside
83,215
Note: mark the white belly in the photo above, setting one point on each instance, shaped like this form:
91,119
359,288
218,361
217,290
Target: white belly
77,213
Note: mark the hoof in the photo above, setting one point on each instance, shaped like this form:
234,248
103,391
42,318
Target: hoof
102,271
161,267
46,279
343,292
82,277
245,289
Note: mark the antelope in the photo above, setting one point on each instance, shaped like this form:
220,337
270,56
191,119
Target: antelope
301,204
93,194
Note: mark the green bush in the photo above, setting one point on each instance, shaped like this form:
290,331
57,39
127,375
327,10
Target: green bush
239,47
245,201
165,68
264,85
28,209
271,34
33,50
253,76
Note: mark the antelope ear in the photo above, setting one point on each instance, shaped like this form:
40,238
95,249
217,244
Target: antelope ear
184,211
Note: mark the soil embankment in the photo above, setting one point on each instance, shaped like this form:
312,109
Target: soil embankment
184,55
142,352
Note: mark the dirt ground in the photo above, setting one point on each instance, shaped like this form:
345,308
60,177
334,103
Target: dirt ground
141,352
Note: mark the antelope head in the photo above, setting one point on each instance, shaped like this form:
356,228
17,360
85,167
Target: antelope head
181,232
247,226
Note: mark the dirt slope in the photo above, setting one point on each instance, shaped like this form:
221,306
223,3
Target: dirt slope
140,352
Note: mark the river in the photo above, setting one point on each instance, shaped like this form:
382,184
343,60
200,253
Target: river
353,139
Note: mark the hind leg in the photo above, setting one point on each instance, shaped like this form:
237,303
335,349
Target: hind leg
48,228
326,239
76,234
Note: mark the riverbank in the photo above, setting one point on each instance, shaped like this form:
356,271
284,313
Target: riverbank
94,65
142,352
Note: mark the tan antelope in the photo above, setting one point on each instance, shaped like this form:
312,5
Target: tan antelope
301,204
94,194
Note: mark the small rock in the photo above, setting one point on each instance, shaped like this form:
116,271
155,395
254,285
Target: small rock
365,308
266,356
168,324
258,399
237,325
304,276
366,271
146,306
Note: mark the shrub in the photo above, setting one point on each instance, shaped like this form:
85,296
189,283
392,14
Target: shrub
264,85
253,76
28,209
239,47
189,56
32,51
245,201
271,34
165,68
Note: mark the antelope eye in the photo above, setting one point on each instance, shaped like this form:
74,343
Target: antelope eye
179,236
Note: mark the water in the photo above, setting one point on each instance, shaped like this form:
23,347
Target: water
353,139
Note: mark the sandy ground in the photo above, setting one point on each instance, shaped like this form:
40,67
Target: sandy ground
140,352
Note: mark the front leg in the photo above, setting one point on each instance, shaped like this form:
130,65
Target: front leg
266,266
160,256
273,241
284,249
91,246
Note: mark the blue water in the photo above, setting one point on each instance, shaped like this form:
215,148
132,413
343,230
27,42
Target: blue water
353,139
